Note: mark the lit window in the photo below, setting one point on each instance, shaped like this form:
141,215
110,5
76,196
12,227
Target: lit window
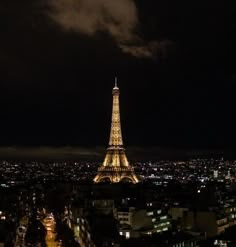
127,235
163,217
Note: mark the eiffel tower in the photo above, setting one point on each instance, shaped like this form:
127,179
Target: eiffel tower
115,167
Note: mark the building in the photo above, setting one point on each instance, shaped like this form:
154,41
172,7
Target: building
135,223
212,223
125,215
98,230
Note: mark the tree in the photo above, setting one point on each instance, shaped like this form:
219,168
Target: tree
36,234
65,234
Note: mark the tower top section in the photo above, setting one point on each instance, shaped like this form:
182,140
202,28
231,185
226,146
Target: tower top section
116,135
115,90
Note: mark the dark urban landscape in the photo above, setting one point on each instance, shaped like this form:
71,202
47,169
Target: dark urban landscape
177,203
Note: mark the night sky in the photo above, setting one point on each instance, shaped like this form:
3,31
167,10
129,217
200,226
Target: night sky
175,63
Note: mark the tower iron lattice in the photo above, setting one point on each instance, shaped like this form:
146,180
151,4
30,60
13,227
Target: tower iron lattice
115,167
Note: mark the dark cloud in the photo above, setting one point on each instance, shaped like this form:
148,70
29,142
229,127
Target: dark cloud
51,153
118,18
97,154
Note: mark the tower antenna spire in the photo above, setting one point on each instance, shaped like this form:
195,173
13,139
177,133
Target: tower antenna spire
115,81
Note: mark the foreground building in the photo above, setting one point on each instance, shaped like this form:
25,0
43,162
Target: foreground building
115,167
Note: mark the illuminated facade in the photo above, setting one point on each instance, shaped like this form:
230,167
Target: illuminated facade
115,167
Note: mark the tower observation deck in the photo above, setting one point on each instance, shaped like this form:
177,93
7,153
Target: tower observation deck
115,167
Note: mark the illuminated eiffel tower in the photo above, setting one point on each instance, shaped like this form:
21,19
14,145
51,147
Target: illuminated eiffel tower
115,167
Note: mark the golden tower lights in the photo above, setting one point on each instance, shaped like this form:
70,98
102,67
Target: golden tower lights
115,167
